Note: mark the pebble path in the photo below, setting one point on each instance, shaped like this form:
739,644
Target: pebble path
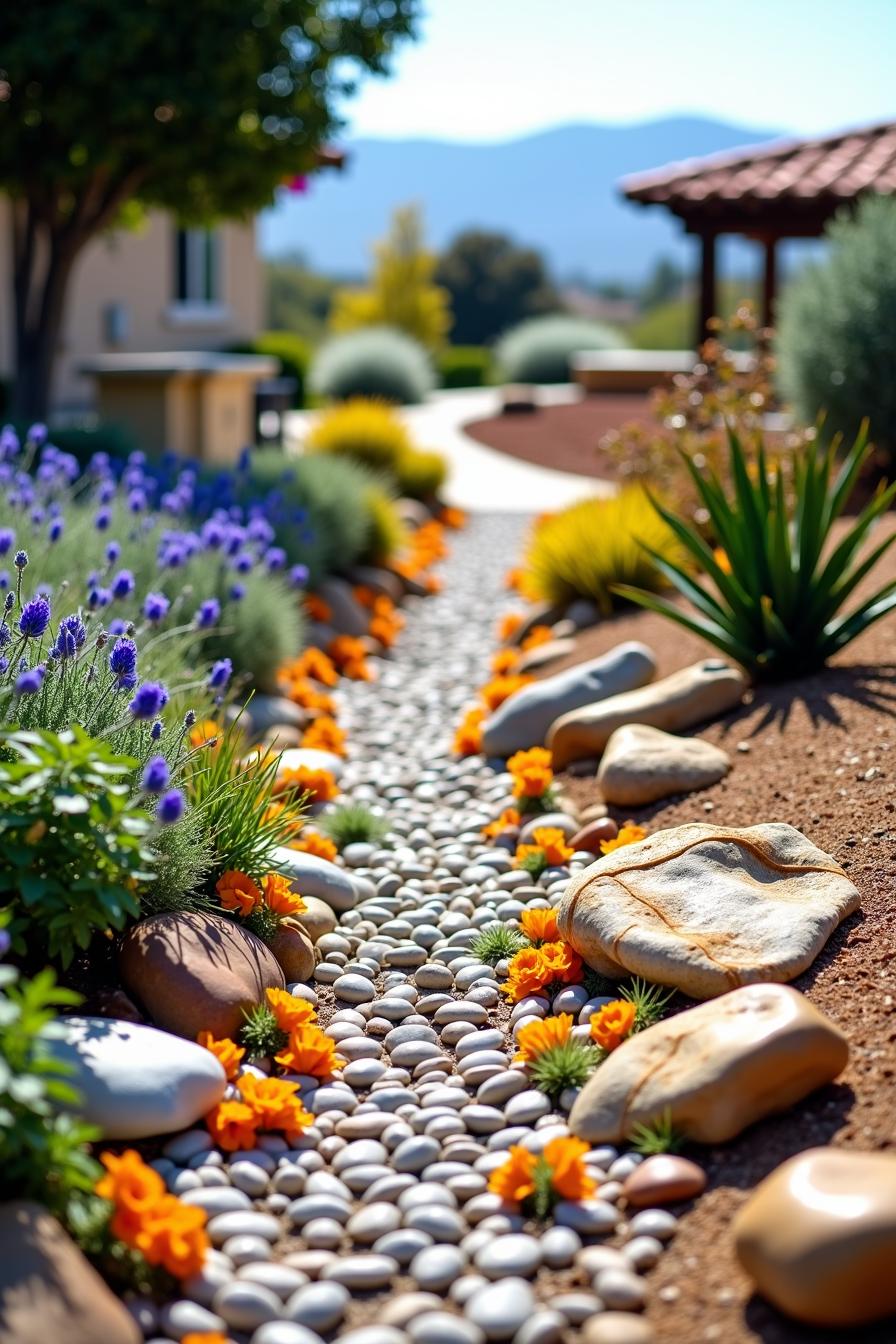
377,1227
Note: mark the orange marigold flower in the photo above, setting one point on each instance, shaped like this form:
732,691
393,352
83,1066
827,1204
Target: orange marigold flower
314,663
524,852
363,595
525,974
205,1337
205,731
174,1236
560,962
540,926
508,821
453,517
499,689
357,669
275,1103
538,635
303,692
293,819
721,558
504,661
320,785
289,1010
312,842
382,629
226,1052
324,734
508,625
133,1187
433,584
310,1051
532,772
232,1124
317,608
569,1175
238,892
611,1024
280,897
468,737
629,834
514,1180
552,842
346,649
536,1037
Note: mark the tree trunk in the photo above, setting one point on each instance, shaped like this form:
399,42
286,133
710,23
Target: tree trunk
42,267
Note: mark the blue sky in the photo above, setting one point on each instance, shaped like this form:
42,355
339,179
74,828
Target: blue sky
495,69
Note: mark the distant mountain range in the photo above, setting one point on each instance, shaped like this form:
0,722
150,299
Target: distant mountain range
556,190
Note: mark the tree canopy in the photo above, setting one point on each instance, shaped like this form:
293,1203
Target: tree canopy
494,284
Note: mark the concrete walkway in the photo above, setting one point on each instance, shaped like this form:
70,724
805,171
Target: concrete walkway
482,479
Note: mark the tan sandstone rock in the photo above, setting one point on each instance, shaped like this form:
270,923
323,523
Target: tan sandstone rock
664,1178
643,764
48,1291
818,1237
705,908
293,949
714,1069
702,691
195,972
317,918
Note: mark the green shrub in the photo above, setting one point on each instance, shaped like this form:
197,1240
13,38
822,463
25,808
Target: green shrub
585,549
260,631
465,366
73,846
292,351
420,474
82,441
353,823
386,532
836,322
781,580
372,362
539,349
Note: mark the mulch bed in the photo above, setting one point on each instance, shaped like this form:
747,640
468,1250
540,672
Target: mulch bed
566,438
821,755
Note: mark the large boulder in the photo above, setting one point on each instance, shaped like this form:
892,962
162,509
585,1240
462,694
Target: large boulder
677,703
293,949
705,908
267,715
135,1082
48,1291
310,758
317,918
195,972
818,1237
713,1070
346,612
642,765
311,876
524,719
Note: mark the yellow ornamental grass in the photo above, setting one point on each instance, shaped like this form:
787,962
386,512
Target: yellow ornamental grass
587,548
365,429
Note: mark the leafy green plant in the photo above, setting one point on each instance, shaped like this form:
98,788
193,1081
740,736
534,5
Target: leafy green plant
386,531
74,848
539,350
372,362
465,366
649,1001
261,1034
352,823
497,943
657,1136
293,352
421,474
43,1152
569,1064
781,575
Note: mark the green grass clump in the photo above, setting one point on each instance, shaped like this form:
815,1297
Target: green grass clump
657,1136
774,597
497,943
351,824
650,1002
261,1034
567,1065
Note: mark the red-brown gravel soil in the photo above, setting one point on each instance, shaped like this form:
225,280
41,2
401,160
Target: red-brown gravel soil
565,438
820,754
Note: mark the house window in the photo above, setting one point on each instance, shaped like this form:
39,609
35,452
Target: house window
197,267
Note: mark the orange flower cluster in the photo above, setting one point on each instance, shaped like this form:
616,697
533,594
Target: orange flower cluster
226,1052
509,820
205,731
508,625
538,635
324,734
504,661
629,834
289,1010
205,1337
501,688
385,620
317,609
312,842
318,784
303,692
532,772
350,656
145,1217
468,736
533,969
237,892
263,1104
309,1050
453,518
540,926
425,545
312,663
515,1179
280,897
550,842
536,1037
611,1024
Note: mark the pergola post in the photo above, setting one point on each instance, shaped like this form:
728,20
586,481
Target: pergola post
707,297
769,280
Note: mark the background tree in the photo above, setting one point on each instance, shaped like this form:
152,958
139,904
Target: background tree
201,108
494,284
402,293
297,298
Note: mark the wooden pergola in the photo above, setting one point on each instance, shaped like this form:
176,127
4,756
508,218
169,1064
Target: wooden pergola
786,189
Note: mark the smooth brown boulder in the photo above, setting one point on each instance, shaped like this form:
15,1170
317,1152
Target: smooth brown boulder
707,908
48,1291
701,691
317,918
293,949
818,1237
195,972
642,765
714,1069
589,837
664,1178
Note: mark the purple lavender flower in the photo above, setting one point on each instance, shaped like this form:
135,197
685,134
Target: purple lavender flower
156,776
237,592
155,606
21,559
260,530
189,718
37,434
7,537
5,635
71,637
30,682
5,941
98,597
171,807
243,562
148,700
35,618
155,731
220,674
209,613
123,663
113,551
106,492
137,500
275,558
298,576
213,534
118,627
123,583
102,519
4,665
56,529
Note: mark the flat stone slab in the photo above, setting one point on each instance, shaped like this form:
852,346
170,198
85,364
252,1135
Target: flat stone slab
643,764
818,1237
714,1069
675,704
705,908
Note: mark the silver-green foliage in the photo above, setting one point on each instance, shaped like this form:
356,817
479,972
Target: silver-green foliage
372,362
539,350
